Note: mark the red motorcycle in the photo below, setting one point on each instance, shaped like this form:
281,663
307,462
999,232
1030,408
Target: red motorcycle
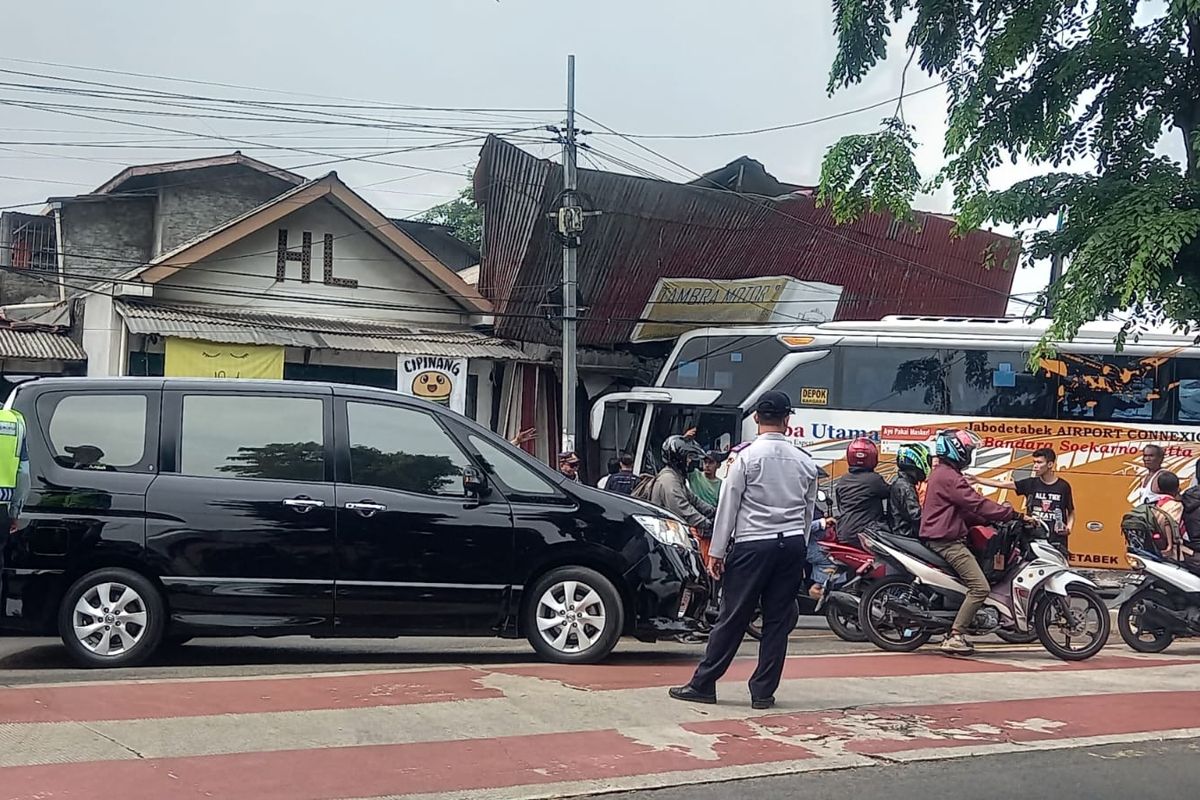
855,570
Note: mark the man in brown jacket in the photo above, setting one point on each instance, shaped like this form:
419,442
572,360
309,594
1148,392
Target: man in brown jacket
951,507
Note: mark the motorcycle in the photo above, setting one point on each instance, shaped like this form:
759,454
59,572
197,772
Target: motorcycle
1164,606
1033,588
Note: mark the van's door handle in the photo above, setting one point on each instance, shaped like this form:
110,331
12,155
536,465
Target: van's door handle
303,505
366,509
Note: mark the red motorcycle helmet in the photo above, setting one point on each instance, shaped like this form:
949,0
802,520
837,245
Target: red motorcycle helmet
862,453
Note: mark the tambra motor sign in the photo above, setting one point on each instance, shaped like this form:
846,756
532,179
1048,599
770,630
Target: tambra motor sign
438,379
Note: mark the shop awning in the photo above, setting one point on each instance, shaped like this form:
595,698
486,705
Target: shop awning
236,326
34,343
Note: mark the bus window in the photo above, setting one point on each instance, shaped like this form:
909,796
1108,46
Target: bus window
733,364
1111,388
993,383
811,384
715,430
1187,372
905,379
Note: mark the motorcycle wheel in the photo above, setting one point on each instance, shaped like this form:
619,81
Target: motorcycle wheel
1070,616
754,629
844,626
1016,637
875,620
1129,623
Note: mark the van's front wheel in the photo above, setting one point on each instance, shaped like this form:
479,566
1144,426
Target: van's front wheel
111,618
574,616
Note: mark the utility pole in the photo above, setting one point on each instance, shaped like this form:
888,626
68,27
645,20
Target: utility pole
1056,268
570,226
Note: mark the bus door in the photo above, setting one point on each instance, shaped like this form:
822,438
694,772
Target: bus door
621,422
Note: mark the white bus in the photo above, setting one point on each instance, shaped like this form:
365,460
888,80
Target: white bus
904,378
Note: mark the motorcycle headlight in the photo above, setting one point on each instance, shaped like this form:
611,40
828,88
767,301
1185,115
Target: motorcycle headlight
1134,561
666,530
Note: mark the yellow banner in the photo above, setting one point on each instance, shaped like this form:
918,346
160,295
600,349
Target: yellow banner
192,358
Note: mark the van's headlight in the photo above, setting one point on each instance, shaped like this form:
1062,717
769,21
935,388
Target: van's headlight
667,531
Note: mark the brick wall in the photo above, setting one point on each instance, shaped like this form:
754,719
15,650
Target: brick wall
194,202
107,238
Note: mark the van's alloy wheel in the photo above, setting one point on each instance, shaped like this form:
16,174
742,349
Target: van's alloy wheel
112,617
573,615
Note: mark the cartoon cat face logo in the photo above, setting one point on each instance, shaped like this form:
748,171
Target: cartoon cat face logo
433,386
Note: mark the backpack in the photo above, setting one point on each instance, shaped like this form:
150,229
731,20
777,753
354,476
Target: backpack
644,488
622,482
1147,528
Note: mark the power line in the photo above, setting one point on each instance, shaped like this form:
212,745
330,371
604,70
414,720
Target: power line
772,128
268,91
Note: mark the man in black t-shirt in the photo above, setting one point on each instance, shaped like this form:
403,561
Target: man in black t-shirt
1047,496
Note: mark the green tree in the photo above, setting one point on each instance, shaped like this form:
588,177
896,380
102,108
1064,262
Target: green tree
462,215
1060,84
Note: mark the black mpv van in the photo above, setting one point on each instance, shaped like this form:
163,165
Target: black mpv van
164,509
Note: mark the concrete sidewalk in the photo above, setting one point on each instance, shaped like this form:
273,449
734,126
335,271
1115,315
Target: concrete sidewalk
536,730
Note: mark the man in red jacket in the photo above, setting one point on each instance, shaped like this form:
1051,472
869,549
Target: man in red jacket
951,507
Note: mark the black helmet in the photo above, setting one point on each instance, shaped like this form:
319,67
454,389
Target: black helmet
678,452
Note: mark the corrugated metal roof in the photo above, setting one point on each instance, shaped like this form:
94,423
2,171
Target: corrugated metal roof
235,326
38,345
651,229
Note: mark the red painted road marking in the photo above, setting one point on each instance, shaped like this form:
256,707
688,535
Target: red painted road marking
868,665
123,701
896,729
163,699
462,765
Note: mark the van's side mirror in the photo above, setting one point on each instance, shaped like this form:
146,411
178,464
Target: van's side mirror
474,482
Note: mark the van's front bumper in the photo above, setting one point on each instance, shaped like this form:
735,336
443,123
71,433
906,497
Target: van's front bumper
670,593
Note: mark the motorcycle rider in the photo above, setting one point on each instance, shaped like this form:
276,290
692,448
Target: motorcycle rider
904,498
671,485
861,493
952,507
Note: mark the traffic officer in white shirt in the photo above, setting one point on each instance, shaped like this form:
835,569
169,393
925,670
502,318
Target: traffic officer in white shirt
758,551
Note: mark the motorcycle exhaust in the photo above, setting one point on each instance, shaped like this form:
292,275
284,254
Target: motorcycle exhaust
1158,616
909,614
844,601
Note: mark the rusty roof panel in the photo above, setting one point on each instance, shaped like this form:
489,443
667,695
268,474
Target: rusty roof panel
651,229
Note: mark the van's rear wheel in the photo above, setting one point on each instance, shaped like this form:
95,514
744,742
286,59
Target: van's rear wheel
111,618
574,616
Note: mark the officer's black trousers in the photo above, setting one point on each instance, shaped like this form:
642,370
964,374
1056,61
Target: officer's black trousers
769,573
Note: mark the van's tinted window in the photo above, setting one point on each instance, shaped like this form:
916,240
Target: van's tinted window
243,436
99,431
509,469
405,449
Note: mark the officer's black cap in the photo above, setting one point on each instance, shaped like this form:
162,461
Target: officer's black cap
774,402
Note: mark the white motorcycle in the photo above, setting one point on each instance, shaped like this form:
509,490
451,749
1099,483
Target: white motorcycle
1033,588
1165,605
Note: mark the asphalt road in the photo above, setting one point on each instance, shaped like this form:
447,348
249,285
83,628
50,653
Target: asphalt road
26,660
1146,771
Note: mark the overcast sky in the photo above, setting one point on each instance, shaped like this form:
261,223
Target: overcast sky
643,66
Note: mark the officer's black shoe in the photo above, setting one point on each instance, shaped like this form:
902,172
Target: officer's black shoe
690,695
762,703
